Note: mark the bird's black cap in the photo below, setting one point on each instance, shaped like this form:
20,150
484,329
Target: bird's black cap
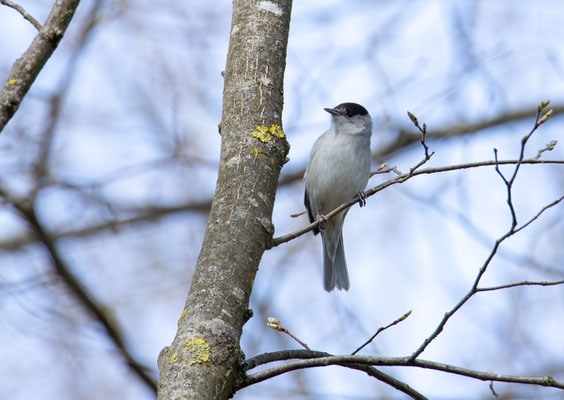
348,109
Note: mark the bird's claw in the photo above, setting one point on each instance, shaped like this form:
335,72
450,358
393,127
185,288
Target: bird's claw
321,220
361,198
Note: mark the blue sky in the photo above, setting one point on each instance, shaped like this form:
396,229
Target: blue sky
139,128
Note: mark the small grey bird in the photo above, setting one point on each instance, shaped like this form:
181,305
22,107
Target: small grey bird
338,170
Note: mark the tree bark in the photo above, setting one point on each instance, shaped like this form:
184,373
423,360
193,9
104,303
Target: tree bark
205,360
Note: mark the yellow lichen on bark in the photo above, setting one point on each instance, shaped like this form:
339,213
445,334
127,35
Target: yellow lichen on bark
199,350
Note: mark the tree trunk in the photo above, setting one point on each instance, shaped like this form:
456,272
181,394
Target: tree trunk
205,359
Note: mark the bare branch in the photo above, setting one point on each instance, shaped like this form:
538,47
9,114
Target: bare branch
308,354
407,138
23,12
523,283
151,213
382,329
509,183
495,395
27,67
147,214
549,147
474,288
512,230
541,211
402,178
275,324
423,131
315,359
81,293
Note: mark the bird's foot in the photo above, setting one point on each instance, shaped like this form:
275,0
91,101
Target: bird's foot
322,220
361,198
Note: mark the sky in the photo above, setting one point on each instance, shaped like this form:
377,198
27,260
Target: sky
138,129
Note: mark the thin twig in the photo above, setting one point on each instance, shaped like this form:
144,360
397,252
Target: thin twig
423,131
23,12
495,395
275,324
517,284
474,288
397,321
508,185
512,230
549,147
406,138
541,211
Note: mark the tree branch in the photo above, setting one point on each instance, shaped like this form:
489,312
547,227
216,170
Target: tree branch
512,230
318,359
27,67
151,213
400,179
204,360
407,138
308,354
23,12
516,284
81,293
382,329
147,214
474,288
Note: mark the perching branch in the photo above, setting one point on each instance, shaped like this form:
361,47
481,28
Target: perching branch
415,171
151,213
400,179
312,359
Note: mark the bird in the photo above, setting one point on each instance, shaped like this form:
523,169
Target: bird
338,170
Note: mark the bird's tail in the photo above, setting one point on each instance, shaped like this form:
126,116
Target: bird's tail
334,264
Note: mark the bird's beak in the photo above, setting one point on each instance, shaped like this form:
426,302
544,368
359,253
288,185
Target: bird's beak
332,111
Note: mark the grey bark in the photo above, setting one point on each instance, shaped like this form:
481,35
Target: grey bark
205,360
27,67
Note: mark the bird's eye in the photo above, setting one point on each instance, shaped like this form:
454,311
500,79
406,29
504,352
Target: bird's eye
349,113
